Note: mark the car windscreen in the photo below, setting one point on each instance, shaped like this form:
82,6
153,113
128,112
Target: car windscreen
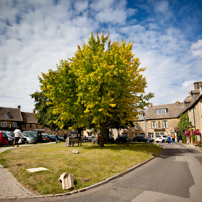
4,135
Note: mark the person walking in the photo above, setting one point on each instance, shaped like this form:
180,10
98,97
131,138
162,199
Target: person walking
17,134
173,138
169,139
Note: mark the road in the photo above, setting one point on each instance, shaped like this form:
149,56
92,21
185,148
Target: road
175,175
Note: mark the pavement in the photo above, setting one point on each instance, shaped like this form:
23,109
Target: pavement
10,188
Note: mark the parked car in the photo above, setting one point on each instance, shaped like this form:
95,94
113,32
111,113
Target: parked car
3,138
52,138
140,139
10,136
45,138
122,139
150,139
29,139
161,138
31,136
61,137
22,140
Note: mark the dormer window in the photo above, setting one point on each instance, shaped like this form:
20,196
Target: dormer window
161,111
8,115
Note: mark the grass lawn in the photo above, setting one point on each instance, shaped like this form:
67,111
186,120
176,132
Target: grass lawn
92,162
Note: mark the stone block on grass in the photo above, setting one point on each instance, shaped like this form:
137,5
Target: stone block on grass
67,181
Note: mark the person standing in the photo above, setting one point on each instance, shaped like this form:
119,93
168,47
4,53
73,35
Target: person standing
17,134
56,138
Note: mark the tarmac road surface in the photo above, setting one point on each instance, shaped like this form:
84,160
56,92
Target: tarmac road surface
175,175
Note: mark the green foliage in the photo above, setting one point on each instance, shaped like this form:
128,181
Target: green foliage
44,113
193,138
184,122
97,86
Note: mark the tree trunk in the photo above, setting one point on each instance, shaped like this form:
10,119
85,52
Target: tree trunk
107,138
102,133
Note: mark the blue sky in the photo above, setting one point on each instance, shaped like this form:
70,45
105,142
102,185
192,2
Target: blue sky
35,35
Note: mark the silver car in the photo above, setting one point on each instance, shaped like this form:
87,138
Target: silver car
29,139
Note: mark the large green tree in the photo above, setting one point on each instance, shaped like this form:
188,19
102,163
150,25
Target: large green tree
100,84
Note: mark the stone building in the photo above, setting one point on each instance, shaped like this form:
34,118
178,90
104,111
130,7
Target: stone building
159,120
10,118
194,107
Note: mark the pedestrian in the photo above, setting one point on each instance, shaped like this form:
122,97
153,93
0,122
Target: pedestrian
56,138
65,136
169,139
173,138
67,141
17,134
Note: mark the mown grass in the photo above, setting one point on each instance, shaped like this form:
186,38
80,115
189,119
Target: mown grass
92,162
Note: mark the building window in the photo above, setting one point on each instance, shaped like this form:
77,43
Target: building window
159,124
135,134
3,124
14,124
142,134
165,124
153,124
161,111
136,127
30,125
8,115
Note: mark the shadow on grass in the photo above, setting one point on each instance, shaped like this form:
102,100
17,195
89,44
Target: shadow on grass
143,147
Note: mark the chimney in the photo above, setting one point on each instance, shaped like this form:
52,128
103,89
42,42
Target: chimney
177,102
200,88
196,85
150,104
18,106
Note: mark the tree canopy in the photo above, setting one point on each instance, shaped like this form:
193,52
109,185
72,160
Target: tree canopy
101,84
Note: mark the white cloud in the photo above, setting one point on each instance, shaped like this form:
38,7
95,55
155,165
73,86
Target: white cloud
35,35
196,48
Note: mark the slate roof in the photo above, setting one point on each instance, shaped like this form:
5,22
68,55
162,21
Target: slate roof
29,117
173,111
199,97
15,114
